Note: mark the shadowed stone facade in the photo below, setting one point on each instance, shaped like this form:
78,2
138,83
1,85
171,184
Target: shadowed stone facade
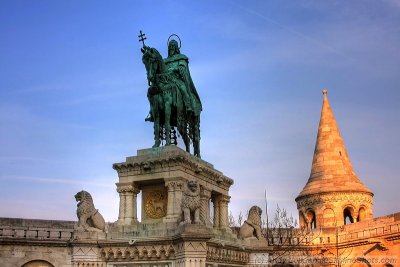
335,210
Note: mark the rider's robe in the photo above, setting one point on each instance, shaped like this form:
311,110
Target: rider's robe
178,65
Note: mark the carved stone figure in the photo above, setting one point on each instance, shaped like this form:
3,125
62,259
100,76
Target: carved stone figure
252,226
89,218
191,203
174,102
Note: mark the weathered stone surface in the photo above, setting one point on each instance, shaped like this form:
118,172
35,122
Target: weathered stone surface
161,174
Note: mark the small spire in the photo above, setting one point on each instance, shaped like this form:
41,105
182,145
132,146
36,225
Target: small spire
331,168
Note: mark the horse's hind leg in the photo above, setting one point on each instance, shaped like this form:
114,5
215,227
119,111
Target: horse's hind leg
157,141
196,138
167,123
186,139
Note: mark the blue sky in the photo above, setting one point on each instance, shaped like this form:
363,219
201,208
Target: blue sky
73,95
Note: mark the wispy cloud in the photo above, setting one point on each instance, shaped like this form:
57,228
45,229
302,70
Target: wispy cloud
289,29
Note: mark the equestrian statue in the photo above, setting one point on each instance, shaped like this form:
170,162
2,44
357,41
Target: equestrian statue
174,102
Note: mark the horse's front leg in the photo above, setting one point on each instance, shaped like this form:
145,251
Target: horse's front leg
157,140
186,140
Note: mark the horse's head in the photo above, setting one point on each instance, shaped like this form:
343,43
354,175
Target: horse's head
153,62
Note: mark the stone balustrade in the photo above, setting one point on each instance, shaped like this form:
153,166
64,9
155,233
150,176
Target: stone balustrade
13,228
348,233
384,230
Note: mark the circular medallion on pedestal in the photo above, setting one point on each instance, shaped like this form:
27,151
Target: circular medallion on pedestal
155,204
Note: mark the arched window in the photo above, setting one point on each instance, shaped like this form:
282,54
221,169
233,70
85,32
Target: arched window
37,263
348,218
312,219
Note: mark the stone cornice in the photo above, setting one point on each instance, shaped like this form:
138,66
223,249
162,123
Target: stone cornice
33,242
315,199
170,157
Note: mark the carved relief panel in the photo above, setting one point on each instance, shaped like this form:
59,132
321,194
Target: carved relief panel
154,202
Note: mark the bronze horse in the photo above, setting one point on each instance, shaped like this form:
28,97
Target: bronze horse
168,110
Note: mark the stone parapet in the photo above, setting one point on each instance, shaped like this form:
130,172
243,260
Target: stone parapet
20,222
36,230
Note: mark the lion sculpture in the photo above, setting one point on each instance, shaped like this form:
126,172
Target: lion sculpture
191,203
252,226
89,218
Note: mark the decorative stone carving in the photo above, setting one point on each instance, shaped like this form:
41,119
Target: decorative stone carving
155,204
135,253
89,218
252,226
316,199
191,203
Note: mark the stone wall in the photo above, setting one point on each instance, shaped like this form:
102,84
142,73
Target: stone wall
25,240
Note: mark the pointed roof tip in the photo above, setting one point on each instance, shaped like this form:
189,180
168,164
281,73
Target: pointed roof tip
324,91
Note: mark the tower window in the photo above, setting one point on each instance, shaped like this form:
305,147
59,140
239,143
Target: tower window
348,218
312,219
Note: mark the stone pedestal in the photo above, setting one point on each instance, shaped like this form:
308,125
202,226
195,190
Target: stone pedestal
162,174
191,245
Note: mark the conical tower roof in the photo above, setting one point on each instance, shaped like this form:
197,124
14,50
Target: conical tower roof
331,169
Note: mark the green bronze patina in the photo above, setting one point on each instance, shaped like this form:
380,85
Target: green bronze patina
174,102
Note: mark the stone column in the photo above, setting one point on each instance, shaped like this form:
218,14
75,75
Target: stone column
131,205
171,196
136,191
205,196
224,201
128,203
174,188
216,203
122,204
179,186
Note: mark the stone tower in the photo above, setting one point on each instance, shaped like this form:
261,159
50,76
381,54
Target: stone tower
333,195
